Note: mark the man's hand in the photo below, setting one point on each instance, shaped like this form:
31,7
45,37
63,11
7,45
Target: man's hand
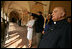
43,32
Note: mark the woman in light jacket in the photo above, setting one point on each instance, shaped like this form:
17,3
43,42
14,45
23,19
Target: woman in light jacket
30,25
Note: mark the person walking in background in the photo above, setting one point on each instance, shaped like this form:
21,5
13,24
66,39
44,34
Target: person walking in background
69,19
48,22
30,25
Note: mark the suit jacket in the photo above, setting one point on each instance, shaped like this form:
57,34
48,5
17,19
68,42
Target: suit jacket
57,36
38,23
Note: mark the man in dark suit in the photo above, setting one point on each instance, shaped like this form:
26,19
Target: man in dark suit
38,26
58,35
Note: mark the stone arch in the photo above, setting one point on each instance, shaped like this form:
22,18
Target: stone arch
21,7
35,7
25,17
14,15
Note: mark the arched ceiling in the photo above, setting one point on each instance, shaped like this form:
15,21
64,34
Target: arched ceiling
14,14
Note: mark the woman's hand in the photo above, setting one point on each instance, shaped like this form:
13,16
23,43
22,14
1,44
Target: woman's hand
30,26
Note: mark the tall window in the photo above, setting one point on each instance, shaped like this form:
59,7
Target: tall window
1,15
4,16
7,19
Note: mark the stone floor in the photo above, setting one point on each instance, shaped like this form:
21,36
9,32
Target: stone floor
16,37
